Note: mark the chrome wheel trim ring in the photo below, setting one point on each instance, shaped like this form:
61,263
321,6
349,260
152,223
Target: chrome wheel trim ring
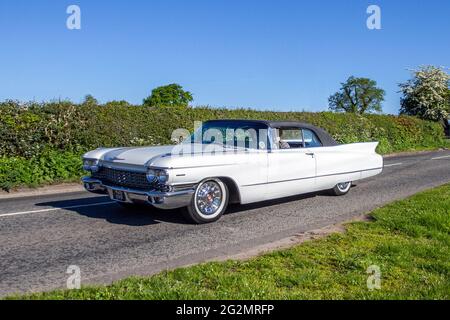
209,199
344,186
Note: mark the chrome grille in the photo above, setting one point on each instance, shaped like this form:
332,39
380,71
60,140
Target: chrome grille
122,178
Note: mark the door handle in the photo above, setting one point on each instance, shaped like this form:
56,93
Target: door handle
310,154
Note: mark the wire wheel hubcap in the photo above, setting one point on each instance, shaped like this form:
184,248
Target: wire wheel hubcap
209,198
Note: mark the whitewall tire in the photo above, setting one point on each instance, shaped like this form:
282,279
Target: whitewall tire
341,188
208,203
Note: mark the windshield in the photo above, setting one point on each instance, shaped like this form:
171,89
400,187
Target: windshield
234,134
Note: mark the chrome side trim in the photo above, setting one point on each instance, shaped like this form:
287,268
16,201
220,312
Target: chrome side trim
311,177
202,166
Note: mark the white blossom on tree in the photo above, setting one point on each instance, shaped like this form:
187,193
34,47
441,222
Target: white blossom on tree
426,95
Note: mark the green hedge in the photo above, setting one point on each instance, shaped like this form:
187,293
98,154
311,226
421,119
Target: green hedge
41,143
49,167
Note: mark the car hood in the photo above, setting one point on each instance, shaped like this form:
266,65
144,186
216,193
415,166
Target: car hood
128,156
135,156
147,156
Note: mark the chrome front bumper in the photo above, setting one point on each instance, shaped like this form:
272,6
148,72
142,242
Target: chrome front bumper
159,199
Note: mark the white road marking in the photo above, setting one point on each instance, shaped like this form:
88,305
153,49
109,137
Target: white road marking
393,164
55,209
443,157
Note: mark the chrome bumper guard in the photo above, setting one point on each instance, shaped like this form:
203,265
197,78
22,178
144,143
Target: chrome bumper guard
159,199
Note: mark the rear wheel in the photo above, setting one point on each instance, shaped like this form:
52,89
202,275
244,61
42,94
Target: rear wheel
209,202
341,188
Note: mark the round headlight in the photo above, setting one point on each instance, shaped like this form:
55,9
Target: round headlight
157,175
151,175
91,165
162,176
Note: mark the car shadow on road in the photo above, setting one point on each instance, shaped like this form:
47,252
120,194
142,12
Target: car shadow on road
235,208
139,215
143,215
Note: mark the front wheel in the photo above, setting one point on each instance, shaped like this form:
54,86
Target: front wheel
209,202
341,188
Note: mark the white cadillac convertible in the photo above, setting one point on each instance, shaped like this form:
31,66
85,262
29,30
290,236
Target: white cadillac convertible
230,161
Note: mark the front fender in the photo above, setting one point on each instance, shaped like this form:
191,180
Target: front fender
99,153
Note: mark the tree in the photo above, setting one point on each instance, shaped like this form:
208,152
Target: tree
90,100
169,95
426,95
115,103
357,95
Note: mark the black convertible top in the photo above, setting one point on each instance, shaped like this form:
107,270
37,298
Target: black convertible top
325,137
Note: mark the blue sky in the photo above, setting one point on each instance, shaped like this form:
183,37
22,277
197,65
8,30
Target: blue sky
281,55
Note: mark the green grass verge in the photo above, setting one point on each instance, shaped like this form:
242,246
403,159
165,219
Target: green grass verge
409,240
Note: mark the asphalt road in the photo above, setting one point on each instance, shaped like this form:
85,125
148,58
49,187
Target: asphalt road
41,237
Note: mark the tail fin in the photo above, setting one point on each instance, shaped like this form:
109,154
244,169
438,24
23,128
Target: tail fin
364,147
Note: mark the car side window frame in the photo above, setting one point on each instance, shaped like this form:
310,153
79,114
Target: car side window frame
314,135
275,132
272,135
303,139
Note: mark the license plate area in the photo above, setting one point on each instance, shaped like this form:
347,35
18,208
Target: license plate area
118,195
